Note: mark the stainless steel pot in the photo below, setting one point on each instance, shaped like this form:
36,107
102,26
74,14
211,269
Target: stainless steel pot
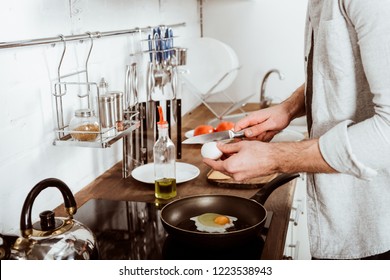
53,238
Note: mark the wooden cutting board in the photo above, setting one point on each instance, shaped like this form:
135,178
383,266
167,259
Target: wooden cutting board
222,180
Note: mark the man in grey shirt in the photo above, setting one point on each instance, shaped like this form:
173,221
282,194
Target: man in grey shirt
346,98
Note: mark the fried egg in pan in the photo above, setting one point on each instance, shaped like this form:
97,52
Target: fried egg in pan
213,222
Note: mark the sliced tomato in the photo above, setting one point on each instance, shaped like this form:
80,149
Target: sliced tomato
203,129
225,125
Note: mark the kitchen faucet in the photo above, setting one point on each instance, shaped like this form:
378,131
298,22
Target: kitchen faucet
266,101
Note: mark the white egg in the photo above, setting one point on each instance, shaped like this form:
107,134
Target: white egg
207,222
210,150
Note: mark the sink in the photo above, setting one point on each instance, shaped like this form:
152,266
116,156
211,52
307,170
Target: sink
298,124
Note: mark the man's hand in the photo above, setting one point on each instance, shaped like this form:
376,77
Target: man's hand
250,159
264,124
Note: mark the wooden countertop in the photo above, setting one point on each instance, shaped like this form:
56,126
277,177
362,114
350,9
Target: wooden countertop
111,185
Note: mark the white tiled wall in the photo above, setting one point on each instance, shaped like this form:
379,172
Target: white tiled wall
27,154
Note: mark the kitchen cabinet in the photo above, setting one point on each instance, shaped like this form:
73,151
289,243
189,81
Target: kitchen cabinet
297,238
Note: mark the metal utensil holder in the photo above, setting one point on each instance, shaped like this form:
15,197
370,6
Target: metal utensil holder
88,93
133,142
162,77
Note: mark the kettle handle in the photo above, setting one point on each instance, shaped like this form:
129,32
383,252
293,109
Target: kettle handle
69,202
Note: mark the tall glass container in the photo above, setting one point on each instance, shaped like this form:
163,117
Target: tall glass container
164,152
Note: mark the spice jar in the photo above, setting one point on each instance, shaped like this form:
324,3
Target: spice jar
107,110
84,125
118,109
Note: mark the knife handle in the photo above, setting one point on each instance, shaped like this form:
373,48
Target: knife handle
236,134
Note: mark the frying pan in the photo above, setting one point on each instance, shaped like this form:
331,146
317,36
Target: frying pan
251,214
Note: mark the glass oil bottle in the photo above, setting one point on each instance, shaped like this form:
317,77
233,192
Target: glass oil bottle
164,152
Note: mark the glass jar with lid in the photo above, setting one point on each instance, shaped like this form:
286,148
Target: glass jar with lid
84,126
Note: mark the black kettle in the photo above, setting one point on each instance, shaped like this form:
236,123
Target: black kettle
53,238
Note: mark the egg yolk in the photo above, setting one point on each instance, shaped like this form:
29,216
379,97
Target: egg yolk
221,220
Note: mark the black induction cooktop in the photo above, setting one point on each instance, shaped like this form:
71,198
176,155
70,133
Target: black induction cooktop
128,230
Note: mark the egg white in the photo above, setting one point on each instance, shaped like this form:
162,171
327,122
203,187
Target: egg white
205,223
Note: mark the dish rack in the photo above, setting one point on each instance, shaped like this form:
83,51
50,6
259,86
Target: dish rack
88,94
212,68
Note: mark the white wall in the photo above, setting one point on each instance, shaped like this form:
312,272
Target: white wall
265,34
27,74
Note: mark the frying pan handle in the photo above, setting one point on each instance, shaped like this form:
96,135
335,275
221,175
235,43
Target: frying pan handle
262,195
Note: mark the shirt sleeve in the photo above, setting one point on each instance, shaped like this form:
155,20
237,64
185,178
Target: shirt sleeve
340,154
362,149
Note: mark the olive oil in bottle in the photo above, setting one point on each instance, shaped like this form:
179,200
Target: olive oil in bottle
165,188
164,152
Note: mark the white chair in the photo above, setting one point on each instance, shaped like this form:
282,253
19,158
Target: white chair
212,67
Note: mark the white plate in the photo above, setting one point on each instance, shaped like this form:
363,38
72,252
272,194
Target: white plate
288,135
184,172
189,133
